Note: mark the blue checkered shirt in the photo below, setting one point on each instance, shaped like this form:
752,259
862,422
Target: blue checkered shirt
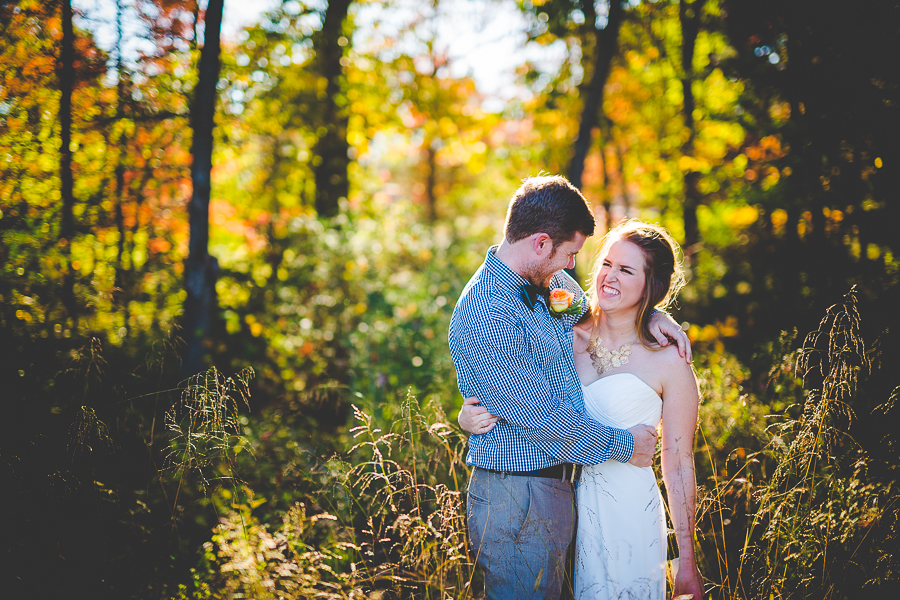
519,364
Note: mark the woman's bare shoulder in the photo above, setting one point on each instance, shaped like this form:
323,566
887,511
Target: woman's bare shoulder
676,375
667,357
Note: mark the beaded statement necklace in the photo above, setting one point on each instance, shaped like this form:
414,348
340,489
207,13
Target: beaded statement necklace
605,359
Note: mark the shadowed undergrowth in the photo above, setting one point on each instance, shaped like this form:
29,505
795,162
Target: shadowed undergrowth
387,520
808,513
814,513
798,476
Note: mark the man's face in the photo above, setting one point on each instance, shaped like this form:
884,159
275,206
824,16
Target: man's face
563,257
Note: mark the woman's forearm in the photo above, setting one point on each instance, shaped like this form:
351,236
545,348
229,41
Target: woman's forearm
680,411
681,493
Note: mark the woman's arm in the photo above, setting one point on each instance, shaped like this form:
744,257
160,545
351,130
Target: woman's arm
680,407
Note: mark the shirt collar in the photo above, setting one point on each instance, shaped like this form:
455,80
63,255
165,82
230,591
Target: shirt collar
505,276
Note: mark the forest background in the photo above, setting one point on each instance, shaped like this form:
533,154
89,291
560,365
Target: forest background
228,269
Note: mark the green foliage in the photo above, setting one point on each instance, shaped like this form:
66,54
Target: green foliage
122,474
344,309
393,525
810,162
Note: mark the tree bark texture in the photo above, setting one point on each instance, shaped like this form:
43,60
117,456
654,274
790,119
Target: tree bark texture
431,182
332,147
120,143
66,184
201,269
606,45
689,15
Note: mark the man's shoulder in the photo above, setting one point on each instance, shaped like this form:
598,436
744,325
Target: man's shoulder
483,297
482,301
562,280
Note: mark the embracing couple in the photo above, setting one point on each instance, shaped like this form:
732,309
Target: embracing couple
554,380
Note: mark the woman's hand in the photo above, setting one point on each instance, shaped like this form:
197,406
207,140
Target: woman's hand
663,327
688,582
475,419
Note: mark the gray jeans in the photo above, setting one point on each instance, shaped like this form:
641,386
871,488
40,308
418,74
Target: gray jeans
520,529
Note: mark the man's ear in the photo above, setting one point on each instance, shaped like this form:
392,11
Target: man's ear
541,243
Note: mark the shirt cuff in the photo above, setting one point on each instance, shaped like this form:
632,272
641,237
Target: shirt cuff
622,445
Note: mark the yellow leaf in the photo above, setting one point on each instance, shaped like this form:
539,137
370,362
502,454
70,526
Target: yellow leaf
742,217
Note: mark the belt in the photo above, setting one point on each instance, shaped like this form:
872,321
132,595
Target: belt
563,471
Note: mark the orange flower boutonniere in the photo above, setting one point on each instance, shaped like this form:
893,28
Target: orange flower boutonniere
562,302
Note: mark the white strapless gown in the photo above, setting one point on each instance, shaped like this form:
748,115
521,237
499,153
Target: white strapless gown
621,539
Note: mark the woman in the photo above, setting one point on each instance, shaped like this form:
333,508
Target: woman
628,379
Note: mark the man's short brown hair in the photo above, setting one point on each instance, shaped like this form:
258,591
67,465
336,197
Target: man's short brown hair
551,205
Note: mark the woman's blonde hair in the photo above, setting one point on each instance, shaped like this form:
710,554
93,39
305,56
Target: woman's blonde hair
663,270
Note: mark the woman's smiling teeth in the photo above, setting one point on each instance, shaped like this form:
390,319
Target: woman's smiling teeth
610,291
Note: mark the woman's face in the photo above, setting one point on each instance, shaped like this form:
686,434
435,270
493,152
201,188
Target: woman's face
620,281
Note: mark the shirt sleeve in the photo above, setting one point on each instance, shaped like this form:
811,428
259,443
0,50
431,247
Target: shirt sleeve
512,386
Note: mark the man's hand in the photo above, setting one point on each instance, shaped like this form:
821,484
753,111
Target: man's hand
475,419
644,445
663,327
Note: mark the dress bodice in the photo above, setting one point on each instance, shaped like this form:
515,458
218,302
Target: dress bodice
621,538
622,400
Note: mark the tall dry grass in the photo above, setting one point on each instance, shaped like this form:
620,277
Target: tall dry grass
809,512
814,512
388,521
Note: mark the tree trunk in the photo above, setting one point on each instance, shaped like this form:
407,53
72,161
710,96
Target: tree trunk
689,15
201,269
120,142
431,181
606,45
331,147
66,83
627,202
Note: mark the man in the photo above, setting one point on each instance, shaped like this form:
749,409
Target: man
516,357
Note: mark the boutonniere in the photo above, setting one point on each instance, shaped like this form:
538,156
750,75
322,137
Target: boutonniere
562,302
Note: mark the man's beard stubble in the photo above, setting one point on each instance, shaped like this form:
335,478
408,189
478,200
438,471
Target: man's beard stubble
540,273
